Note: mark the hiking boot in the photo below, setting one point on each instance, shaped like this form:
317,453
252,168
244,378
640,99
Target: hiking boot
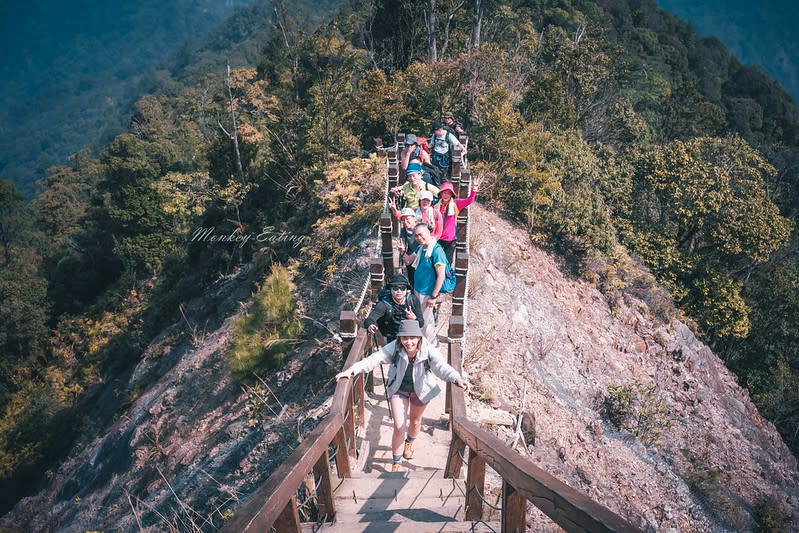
395,467
408,452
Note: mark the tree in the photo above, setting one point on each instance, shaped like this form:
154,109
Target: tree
12,217
713,198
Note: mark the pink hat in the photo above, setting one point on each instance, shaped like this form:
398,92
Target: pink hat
447,186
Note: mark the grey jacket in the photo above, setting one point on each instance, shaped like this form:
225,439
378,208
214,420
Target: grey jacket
424,384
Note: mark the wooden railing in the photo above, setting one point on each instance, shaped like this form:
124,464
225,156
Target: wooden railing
522,481
274,504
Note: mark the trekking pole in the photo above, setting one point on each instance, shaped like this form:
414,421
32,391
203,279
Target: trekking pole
385,389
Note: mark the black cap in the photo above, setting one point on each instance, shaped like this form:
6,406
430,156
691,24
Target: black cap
399,279
437,125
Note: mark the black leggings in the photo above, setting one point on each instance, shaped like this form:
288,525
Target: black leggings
449,249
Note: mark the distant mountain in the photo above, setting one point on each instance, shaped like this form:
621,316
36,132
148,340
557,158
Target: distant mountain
760,33
70,71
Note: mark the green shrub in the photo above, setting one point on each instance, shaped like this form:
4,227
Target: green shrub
634,408
263,337
768,516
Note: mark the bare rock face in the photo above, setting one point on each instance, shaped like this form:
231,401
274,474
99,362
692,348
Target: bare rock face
716,460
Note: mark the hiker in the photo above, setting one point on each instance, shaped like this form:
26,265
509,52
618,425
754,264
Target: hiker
431,264
424,213
450,207
408,243
392,308
451,125
410,189
441,145
415,148
411,383
429,215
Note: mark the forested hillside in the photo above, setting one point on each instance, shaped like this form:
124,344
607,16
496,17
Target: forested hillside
605,126
73,69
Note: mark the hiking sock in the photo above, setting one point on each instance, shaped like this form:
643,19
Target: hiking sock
408,438
396,459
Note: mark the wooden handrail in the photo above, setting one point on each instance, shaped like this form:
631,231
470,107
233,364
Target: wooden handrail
570,509
265,506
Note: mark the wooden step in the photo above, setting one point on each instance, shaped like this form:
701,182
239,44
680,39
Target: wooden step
410,484
403,527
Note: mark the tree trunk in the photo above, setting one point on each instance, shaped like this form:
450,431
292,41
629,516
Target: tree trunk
431,31
447,25
477,22
234,135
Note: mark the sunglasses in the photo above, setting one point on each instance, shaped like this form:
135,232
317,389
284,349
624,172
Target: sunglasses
398,288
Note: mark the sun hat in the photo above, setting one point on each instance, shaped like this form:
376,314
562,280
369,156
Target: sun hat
426,195
447,114
410,139
409,328
407,212
414,168
446,186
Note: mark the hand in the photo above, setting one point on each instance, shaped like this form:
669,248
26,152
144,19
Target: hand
372,329
392,203
462,383
431,301
410,315
344,374
476,185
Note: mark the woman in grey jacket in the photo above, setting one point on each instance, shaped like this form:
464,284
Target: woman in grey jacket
411,384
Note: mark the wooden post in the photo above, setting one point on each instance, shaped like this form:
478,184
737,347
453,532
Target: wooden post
393,174
514,510
347,329
455,328
387,244
475,481
377,276
392,154
342,456
455,166
289,519
324,494
349,424
357,397
455,457
459,294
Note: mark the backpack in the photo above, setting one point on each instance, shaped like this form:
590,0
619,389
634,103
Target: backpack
440,159
450,277
422,142
433,174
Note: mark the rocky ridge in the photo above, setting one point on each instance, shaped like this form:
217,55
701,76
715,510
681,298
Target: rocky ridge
717,459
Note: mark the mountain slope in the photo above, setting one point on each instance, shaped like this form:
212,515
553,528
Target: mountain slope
195,443
716,466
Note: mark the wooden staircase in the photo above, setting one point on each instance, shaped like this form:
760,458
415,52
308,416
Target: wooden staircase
430,494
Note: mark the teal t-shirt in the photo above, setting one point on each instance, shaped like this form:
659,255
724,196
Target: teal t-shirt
424,279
